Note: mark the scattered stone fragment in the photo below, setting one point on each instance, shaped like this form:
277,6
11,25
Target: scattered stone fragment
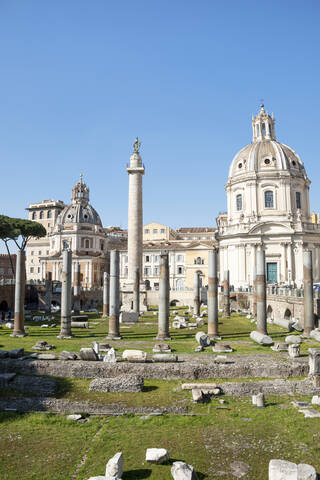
297,326
177,324
114,467
4,353
79,324
260,400
221,359
306,472
219,347
183,471
282,470
74,417
16,353
134,356
99,477
65,355
199,348
280,347
9,325
44,325
42,345
315,334
199,322
239,469
203,339
315,400
164,357
300,404
314,361
104,347
88,354
121,383
161,348
46,356
111,356
310,413
157,455
261,338
293,339
281,322
200,386
294,350
254,399
197,395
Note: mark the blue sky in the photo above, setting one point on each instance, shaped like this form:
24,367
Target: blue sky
80,79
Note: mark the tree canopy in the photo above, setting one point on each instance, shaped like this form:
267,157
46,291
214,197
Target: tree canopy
13,228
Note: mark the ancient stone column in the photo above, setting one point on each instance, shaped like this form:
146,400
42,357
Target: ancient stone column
136,291
135,171
19,294
163,319
114,329
48,294
254,291
196,294
76,289
226,294
314,362
308,292
66,294
212,294
105,311
261,293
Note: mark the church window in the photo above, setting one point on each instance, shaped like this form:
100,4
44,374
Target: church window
41,215
49,214
264,129
257,128
239,202
65,244
267,161
147,258
146,231
34,215
293,163
240,165
155,230
86,244
268,199
298,199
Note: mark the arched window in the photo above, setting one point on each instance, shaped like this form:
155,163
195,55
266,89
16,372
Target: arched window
86,243
264,129
49,214
268,199
239,202
41,215
298,199
34,215
199,261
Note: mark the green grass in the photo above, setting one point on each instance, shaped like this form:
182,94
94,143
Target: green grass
234,330
49,447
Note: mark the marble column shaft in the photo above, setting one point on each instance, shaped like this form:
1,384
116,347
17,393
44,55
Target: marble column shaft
105,312
163,319
136,291
261,293
66,294
226,294
196,293
114,328
76,289
308,292
19,294
212,294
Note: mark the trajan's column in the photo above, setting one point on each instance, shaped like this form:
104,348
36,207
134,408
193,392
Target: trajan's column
135,216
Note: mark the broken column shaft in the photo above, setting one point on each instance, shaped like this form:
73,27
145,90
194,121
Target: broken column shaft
254,292
105,311
163,319
308,292
76,289
48,294
136,291
212,294
261,293
114,329
226,294
196,294
66,294
19,295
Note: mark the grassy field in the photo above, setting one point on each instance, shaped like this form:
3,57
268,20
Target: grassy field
49,447
234,331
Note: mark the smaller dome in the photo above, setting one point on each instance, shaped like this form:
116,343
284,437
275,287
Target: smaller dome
80,211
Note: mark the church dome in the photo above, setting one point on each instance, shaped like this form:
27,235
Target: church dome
265,154
80,211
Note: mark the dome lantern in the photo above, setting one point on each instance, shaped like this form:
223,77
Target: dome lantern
80,193
263,126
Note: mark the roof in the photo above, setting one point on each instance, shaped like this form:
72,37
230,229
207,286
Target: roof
196,229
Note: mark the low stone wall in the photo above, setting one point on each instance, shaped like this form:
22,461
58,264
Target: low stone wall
271,387
191,367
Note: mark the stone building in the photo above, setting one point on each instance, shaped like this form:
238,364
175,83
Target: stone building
46,213
6,272
267,205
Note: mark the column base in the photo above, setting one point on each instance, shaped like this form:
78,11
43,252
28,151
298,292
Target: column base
163,337
212,336
19,334
111,337
65,337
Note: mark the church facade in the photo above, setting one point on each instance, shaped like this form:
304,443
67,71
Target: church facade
268,207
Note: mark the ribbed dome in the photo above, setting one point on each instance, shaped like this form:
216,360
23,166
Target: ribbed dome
264,156
80,211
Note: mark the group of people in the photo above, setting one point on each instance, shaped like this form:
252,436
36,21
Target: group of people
3,315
